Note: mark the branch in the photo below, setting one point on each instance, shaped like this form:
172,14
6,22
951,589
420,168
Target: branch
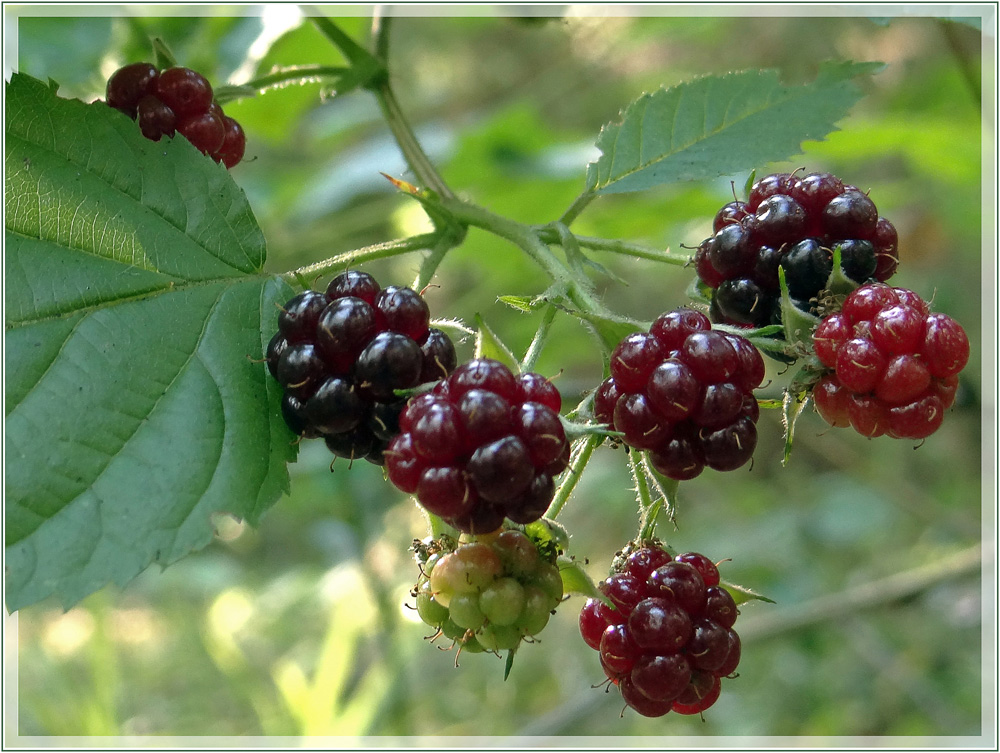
834,607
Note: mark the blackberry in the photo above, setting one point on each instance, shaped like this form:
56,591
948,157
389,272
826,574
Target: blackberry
892,366
340,371
481,450
177,100
668,639
796,223
497,590
684,392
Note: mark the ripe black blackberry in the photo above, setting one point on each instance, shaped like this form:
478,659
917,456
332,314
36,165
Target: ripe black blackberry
684,392
668,638
481,446
339,356
795,223
176,100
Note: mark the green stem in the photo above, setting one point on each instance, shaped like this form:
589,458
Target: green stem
367,253
298,74
577,462
380,33
351,50
431,262
649,509
418,161
577,207
578,288
551,235
541,334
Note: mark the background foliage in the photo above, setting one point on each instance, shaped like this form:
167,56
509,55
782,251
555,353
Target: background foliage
299,628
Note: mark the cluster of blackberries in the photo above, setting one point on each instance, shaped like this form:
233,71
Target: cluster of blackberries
796,223
488,594
893,365
176,100
684,392
481,446
340,355
668,639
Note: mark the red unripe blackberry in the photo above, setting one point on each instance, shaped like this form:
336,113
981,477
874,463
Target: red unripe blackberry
479,426
206,131
684,392
130,84
795,224
234,143
155,118
890,360
184,91
669,638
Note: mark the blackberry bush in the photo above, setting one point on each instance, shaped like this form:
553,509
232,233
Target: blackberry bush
176,100
684,392
667,638
140,281
340,355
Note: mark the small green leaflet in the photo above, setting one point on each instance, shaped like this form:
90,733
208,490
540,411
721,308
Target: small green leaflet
742,594
720,125
135,309
489,345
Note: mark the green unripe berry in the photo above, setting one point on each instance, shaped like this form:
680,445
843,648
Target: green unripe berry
472,646
498,637
428,608
502,601
453,631
481,564
535,615
465,612
466,570
517,552
548,579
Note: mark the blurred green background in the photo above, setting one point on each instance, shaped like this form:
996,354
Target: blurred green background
302,627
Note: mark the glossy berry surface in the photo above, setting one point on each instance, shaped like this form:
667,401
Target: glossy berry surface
177,101
684,392
487,448
795,223
668,638
330,355
892,366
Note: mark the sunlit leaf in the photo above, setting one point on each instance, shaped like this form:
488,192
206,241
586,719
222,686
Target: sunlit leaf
137,404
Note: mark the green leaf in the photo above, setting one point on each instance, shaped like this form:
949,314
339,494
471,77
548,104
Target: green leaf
523,303
489,345
720,125
609,330
576,581
135,303
742,594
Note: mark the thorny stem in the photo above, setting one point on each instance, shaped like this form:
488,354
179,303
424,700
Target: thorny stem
298,74
541,334
578,288
416,158
367,253
551,235
873,595
577,461
577,207
649,508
